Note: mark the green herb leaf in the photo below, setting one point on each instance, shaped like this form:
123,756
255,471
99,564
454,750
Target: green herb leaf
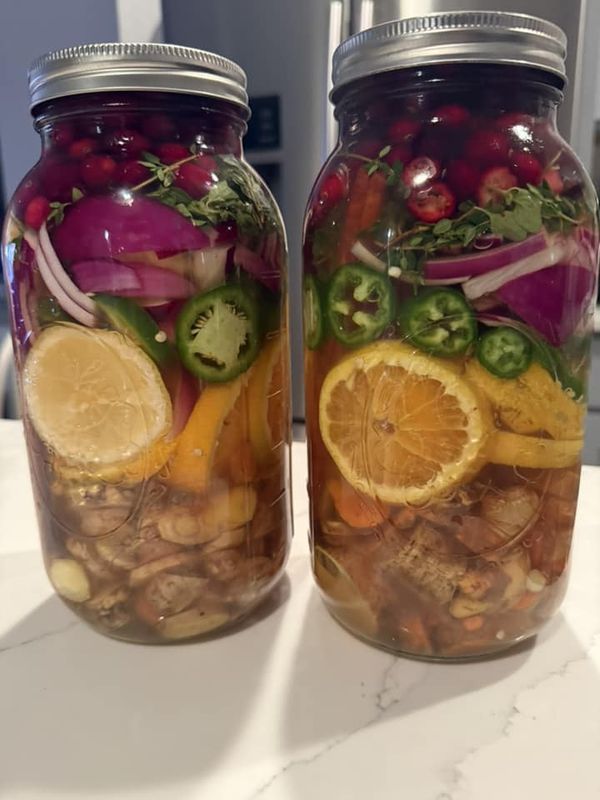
443,226
150,158
57,213
506,226
237,195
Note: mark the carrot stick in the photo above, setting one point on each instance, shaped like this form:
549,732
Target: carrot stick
373,201
366,199
355,509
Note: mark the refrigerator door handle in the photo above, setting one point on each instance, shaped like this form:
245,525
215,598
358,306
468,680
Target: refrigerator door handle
362,15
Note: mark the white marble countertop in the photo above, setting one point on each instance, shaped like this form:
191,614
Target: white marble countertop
289,708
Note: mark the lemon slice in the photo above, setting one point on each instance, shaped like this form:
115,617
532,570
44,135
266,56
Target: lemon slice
93,396
401,426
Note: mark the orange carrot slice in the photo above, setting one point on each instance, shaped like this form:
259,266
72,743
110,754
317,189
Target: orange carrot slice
354,508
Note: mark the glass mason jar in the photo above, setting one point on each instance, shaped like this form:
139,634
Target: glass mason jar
145,263
451,245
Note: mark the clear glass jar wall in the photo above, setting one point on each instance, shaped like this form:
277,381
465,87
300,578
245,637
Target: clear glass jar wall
450,257
145,263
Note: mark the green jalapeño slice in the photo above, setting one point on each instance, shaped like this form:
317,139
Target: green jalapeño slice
440,322
312,313
504,352
218,334
360,304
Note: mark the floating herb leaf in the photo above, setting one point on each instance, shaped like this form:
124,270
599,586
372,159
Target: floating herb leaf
392,173
57,213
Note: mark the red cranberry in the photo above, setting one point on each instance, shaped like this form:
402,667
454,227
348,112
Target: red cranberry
37,212
463,178
126,144
170,152
159,126
62,134
494,181
58,177
98,171
552,177
130,173
488,147
420,171
432,203
83,147
403,131
194,179
513,119
332,190
451,115
526,167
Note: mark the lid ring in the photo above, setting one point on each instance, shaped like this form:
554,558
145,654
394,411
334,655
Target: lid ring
495,37
133,66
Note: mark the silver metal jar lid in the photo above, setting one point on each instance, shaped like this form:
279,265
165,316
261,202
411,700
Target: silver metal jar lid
493,37
135,67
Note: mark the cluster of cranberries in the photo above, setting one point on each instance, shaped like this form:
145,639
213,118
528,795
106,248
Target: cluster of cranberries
108,156
453,156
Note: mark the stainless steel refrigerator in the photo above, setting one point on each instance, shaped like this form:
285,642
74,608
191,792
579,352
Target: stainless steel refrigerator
285,46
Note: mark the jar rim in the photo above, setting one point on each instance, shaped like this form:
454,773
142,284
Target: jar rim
136,66
461,37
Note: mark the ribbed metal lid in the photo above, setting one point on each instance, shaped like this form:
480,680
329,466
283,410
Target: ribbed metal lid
495,37
135,67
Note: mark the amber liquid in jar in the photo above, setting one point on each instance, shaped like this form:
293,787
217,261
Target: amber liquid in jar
145,263
450,274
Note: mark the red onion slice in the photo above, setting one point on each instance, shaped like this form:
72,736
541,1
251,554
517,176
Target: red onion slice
556,251
131,280
485,260
106,227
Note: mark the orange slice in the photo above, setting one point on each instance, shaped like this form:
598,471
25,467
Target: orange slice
191,466
533,452
268,400
400,425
